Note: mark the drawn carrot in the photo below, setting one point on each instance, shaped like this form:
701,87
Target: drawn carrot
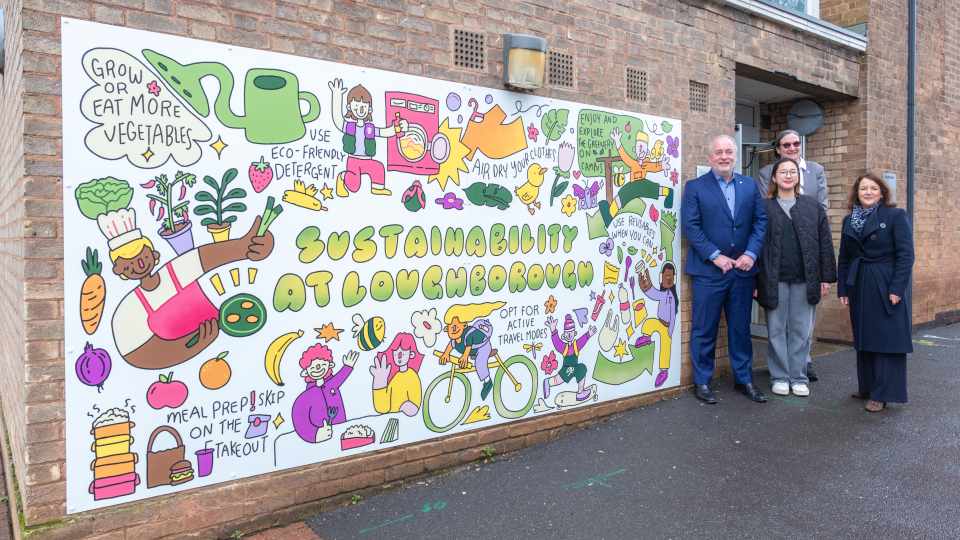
93,293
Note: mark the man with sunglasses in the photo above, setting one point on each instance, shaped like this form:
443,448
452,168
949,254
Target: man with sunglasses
813,182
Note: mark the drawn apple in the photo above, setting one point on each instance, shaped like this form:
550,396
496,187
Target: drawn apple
167,393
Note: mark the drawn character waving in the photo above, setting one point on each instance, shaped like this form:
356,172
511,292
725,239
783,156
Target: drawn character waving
168,319
354,117
668,304
569,346
647,162
320,406
396,382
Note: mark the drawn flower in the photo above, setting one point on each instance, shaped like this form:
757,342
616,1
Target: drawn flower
674,176
426,326
549,363
533,132
606,248
550,305
153,88
450,201
569,205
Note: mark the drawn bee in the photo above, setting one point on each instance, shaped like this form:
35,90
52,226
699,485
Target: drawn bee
369,333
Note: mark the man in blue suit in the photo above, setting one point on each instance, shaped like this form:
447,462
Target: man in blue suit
724,221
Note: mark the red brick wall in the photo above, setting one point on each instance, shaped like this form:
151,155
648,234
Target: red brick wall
844,12
675,42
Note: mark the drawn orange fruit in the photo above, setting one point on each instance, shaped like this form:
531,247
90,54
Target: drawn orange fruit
215,373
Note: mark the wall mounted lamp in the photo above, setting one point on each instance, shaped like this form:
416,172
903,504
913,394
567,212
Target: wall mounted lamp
524,61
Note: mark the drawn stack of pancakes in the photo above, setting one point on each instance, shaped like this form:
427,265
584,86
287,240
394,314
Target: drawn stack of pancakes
114,468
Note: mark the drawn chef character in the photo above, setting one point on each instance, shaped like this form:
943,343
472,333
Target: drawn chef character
155,322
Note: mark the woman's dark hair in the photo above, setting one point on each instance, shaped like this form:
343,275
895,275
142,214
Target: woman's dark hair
780,136
673,290
854,198
772,189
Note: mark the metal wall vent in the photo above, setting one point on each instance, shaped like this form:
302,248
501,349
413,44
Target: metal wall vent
469,50
699,96
636,84
561,69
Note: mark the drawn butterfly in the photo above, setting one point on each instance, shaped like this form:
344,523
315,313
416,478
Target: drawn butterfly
587,197
532,348
606,248
673,146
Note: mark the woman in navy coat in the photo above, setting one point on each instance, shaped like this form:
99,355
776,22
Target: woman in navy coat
874,266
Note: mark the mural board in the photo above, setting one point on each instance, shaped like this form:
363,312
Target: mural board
273,261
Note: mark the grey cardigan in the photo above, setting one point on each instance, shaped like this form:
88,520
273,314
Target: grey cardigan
813,176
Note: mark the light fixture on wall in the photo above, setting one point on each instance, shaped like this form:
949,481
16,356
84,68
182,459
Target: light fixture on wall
524,61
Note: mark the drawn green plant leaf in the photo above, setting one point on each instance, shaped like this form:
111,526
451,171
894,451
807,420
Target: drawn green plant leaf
204,209
559,189
554,123
235,193
205,197
493,195
620,254
207,220
632,250
667,127
235,207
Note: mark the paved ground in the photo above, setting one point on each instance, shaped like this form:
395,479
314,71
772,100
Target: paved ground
819,467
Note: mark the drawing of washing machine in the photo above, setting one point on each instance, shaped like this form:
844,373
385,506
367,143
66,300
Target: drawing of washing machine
421,148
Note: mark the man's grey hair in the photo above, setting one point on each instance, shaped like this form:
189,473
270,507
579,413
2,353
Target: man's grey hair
715,138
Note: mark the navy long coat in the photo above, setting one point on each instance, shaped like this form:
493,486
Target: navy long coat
871,266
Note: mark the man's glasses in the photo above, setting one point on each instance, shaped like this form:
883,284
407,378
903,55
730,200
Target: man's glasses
790,144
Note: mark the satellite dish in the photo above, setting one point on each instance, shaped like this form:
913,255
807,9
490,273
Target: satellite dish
805,117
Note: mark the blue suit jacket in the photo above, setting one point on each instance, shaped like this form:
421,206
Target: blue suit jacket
709,227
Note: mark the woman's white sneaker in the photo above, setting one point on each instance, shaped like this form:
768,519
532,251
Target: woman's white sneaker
781,388
800,389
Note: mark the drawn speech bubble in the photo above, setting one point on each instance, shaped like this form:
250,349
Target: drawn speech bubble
136,116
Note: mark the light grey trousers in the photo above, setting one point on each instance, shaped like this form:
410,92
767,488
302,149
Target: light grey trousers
788,332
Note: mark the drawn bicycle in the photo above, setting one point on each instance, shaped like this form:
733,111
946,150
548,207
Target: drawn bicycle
511,400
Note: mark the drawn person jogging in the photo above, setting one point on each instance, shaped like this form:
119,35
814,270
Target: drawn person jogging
569,346
359,138
155,322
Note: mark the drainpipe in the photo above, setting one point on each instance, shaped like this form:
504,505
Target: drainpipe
911,100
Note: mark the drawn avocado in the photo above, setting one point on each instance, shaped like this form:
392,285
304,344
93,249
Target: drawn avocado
184,80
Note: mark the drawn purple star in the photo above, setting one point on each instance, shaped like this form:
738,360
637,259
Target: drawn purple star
450,202
153,88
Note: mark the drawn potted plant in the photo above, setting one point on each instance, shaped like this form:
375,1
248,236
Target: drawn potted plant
173,209
218,225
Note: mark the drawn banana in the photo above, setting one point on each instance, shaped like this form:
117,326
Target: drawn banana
274,354
608,332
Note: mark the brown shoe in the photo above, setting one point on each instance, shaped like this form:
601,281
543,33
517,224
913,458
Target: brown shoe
875,406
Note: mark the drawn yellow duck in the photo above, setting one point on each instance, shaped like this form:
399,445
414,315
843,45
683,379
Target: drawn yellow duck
529,191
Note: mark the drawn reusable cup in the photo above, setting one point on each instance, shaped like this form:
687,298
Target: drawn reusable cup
204,461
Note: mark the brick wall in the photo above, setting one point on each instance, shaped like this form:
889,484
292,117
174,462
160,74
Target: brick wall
12,231
844,12
675,42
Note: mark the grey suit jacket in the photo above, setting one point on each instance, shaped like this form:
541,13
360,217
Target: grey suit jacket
813,175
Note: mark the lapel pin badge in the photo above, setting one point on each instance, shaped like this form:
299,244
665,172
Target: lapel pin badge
883,225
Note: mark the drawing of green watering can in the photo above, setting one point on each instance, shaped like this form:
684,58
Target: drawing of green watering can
271,98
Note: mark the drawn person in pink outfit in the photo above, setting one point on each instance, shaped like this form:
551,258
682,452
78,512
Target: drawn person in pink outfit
168,319
354,117
320,406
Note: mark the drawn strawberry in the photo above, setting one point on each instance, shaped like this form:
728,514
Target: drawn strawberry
261,174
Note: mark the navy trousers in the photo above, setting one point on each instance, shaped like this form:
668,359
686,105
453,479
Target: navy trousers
733,295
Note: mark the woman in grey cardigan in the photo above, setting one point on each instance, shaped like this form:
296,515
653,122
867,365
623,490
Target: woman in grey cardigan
796,267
